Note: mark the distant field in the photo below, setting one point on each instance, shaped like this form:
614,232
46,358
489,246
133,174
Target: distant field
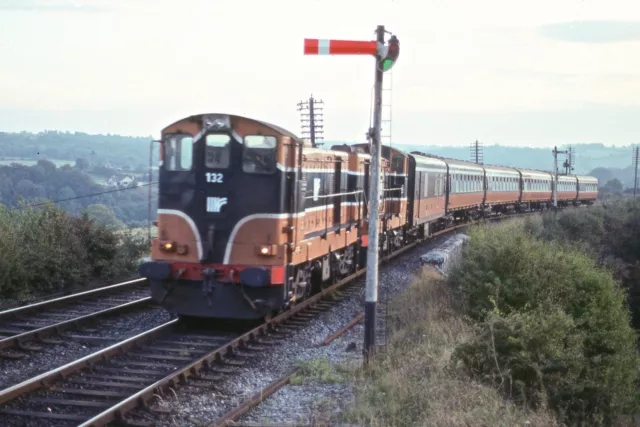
7,162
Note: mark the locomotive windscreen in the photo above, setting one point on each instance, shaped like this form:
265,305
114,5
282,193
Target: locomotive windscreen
178,152
259,154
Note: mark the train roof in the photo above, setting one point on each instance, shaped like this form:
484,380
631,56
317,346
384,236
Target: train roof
534,173
587,178
501,169
200,119
425,159
464,165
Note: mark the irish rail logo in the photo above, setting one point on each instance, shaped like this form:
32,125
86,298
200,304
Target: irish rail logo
215,204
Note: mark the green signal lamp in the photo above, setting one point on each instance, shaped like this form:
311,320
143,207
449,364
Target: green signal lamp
389,54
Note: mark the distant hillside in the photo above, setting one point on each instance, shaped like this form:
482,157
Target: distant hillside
587,156
133,152
121,151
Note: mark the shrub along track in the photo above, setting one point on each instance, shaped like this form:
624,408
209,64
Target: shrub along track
22,328
108,385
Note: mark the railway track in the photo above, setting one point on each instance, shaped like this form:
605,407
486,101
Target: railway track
108,385
24,329
124,382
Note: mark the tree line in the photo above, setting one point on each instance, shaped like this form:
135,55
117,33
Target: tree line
75,191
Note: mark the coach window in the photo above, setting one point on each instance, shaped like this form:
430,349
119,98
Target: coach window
217,151
178,153
259,154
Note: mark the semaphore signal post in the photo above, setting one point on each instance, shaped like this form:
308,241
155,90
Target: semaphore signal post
386,55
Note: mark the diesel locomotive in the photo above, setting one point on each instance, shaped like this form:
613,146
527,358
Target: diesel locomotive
252,218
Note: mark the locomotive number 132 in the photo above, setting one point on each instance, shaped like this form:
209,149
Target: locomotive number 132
214,177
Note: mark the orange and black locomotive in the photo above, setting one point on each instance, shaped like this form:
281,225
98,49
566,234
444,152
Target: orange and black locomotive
252,218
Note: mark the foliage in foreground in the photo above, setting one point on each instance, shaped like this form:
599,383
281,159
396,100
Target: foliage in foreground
610,233
46,251
552,329
414,383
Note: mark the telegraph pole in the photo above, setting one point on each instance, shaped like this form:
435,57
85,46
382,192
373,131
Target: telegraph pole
636,155
385,58
555,173
312,120
476,152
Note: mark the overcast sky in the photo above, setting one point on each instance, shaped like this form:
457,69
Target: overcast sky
510,72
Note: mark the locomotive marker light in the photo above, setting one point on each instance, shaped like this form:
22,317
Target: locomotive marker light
385,57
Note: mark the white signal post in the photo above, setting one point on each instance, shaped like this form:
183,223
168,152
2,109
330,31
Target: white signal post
385,56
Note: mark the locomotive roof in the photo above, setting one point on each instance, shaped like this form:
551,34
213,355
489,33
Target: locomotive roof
198,118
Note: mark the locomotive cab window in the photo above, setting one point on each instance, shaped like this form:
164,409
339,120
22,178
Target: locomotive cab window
397,164
259,154
178,152
217,151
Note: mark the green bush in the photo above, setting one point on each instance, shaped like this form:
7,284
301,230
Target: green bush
610,233
46,251
552,327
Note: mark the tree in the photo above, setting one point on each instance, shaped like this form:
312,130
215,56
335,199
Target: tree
103,215
82,163
27,188
613,185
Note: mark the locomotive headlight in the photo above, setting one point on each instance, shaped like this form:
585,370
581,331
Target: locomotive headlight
266,250
168,246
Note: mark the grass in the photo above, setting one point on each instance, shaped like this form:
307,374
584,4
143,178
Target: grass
318,370
415,383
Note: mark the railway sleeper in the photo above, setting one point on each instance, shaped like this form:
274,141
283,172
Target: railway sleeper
243,353
106,383
28,347
160,356
207,377
95,393
212,344
128,371
232,362
146,364
70,402
11,355
175,349
118,378
221,370
50,341
47,415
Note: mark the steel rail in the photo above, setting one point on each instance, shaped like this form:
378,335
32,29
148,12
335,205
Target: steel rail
55,328
48,378
69,298
116,412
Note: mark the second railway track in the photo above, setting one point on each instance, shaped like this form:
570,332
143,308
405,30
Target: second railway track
108,385
26,329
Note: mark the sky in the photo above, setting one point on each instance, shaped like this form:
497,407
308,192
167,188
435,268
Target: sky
502,71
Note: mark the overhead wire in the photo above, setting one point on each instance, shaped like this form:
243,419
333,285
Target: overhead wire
84,196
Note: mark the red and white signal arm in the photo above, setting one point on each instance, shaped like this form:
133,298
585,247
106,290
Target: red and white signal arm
388,53
339,47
